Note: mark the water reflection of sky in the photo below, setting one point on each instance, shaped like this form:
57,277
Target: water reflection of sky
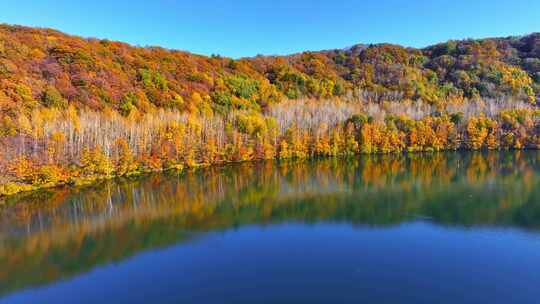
414,262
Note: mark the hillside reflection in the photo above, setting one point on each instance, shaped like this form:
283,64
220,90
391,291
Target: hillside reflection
50,235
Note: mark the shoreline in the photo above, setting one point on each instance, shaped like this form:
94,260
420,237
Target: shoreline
89,181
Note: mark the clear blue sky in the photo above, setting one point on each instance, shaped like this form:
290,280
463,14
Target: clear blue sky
249,27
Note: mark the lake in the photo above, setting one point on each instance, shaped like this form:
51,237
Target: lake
421,228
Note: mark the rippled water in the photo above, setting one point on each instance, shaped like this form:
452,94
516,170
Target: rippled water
426,228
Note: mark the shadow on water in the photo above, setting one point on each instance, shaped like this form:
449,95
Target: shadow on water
54,234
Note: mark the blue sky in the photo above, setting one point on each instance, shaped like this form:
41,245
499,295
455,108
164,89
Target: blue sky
249,27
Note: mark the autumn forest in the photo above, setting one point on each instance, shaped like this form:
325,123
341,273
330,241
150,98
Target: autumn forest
73,110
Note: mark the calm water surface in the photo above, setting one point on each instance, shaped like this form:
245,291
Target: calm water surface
431,228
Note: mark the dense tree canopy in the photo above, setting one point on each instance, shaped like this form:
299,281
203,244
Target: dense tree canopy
75,109
46,68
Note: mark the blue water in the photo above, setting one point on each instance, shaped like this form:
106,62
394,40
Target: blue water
413,262
455,228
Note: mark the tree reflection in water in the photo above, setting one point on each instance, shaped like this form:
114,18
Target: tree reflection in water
49,235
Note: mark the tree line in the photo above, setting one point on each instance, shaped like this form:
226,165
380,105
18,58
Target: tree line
58,147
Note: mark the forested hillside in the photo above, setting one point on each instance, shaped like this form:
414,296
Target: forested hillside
75,109
46,68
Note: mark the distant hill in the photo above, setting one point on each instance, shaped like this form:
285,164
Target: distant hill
47,68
